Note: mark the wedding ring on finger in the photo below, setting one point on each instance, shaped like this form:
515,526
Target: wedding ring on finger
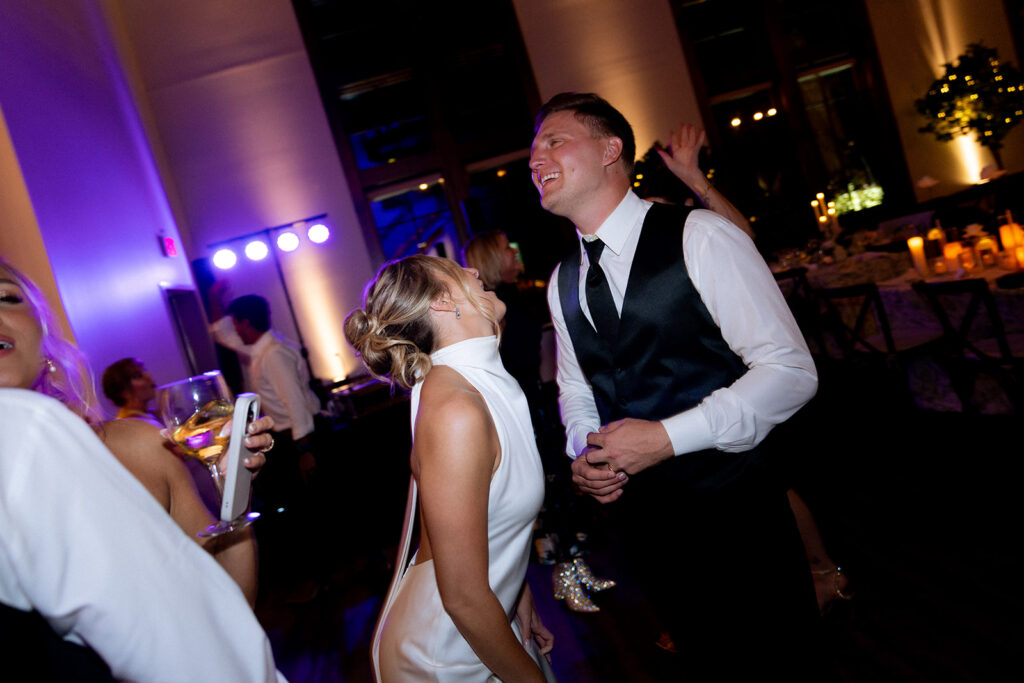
264,450
611,468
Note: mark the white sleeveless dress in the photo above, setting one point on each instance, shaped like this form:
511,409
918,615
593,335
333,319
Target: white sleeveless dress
416,639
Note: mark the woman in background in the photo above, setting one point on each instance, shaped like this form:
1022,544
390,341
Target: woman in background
461,611
129,387
497,261
33,356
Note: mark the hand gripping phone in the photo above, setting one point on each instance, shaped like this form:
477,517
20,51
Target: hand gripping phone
237,479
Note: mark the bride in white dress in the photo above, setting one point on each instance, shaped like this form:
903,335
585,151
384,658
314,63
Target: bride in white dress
462,611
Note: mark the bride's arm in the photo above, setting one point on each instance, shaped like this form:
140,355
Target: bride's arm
455,453
530,623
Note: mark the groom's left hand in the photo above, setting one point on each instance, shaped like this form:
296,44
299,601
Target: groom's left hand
632,445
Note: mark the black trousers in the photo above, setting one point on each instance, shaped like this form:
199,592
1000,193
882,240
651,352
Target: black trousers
279,484
288,527
726,572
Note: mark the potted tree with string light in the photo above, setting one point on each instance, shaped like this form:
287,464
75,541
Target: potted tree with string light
976,94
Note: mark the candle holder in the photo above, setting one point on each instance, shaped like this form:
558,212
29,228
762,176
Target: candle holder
968,259
986,250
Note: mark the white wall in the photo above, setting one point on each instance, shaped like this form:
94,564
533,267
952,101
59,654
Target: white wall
134,118
914,40
91,182
21,243
627,52
244,140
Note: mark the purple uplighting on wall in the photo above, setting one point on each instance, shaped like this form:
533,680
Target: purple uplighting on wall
92,182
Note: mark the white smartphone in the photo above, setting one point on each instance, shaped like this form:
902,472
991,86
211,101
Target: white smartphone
237,479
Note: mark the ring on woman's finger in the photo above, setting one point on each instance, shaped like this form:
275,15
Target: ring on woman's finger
264,450
611,468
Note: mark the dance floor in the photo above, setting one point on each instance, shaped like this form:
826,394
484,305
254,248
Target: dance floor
921,509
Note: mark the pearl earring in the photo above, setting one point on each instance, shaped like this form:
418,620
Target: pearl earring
458,313
50,367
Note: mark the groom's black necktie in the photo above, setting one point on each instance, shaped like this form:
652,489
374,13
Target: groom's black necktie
599,295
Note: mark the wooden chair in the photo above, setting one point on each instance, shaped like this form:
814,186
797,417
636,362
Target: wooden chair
803,304
860,339
957,305
974,338
857,322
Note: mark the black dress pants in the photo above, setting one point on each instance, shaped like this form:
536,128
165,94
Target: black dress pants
726,572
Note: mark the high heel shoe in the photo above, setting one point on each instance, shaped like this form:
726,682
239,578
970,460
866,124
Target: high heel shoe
828,591
588,579
566,584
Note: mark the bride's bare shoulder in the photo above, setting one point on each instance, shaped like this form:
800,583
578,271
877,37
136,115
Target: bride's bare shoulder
450,407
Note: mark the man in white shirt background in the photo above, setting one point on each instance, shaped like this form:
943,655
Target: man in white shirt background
676,356
277,371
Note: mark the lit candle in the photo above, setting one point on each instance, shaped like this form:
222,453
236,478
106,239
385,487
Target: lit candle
916,245
833,219
952,252
1020,257
1007,236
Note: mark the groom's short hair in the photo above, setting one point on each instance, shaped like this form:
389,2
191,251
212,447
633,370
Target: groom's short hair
595,113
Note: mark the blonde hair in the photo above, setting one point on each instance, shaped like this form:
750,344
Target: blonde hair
392,332
484,253
71,380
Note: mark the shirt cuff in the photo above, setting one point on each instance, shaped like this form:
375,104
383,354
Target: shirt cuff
689,432
577,441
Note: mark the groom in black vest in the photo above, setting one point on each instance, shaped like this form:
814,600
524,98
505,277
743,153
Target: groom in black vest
676,356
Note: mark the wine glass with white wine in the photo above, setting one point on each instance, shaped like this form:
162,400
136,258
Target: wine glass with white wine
198,413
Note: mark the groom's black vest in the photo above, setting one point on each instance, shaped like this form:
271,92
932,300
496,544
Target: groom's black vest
669,354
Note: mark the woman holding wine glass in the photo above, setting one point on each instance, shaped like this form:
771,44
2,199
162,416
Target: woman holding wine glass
33,356
461,611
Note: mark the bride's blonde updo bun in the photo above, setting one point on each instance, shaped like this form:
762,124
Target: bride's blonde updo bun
392,332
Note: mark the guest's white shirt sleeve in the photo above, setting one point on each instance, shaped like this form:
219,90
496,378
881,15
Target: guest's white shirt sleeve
224,333
743,299
87,546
